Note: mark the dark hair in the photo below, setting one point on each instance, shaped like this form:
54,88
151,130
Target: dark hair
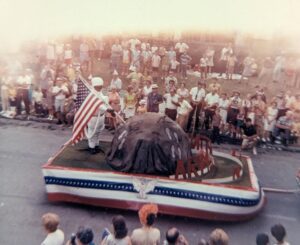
119,227
85,235
150,219
172,235
262,239
278,231
248,119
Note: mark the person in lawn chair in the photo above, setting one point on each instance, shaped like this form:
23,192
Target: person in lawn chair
96,123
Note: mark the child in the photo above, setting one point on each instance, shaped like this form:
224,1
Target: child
216,123
279,233
240,122
142,108
174,65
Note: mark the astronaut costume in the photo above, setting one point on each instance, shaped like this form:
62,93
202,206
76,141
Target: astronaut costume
96,123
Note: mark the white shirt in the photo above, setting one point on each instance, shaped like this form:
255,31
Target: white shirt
156,60
68,54
174,64
133,42
212,99
37,96
225,53
171,55
169,98
54,238
147,90
24,81
184,108
117,83
182,47
223,104
61,95
197,94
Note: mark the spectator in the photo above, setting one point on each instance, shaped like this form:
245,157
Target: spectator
265,75
119,234
278,71
37,99
262,239
142,108
134,75
173,237
218,237
148,87
129,103
147,234
68,54
114,100
181,48
209,54
225,53
170,77
84,52
270,120
23,85
60,92
171,54
116,81
185,59
249,136
125,61
154,99
46,74
279,233
283,128
231,61
170,86
174,64
182,91
259,107
197,95
172,104
211,103
216,124
165,64
156,59
84,236
146,60
183,111
214,86
4,97
116,55
203,67
136,57
281,104
55,236
235,103
223,106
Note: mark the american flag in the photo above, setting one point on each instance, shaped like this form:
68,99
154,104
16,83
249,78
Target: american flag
86,105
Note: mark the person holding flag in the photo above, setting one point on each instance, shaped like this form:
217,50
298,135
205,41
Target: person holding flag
90,115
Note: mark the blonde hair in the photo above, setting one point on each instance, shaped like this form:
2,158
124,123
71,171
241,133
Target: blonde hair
50,221
218,236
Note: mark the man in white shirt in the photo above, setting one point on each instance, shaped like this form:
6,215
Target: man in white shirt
116,81
23,85
211,102
183,111
181,48
155,62
197,95
225,53
59,92
171,100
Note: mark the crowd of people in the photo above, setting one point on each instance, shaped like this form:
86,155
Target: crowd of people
153,78
147,234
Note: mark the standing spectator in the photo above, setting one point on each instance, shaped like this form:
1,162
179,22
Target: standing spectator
216,124
247,105
265,75
225,53
248,67
148,87
185,59
99,48
170,86
281,104
231,61
136,57
46,74
60,92
278,71
50,53
173,237
165,64
203,67
214,86
125,61
283,128
270,120
259,107
37,99
147,234
211,103
218,237
170,77
55,236
249,136
84,53
174,64
223,106
171,54
142,108
289,98
134,74
23,85
262,239
197,95
146,60
235,104
154,99
119,235
84,236
68,55
4,97
116,81
181,48
183,111
49,100
209,54
172,103
279,233
129,102
156,59
182,91
114,100
116,55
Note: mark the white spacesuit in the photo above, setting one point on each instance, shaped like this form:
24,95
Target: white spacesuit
96,123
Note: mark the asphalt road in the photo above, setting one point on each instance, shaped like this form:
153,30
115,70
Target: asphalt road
25,146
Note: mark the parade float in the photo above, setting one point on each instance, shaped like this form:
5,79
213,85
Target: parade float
150,159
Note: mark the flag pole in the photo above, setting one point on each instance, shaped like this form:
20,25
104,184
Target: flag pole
98,95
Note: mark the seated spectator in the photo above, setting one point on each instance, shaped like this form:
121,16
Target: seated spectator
218,237
55,236
119,235
279,233
173,237
84,236
262,239
147,234
283,128
249,136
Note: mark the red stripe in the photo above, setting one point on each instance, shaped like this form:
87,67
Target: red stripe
81,108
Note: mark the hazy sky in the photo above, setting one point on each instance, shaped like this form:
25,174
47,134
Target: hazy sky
26,19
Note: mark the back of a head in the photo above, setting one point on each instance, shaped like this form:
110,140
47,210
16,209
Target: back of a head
85,235
262,239
147,214
218,237
278,231
120,228
50,222
172,235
